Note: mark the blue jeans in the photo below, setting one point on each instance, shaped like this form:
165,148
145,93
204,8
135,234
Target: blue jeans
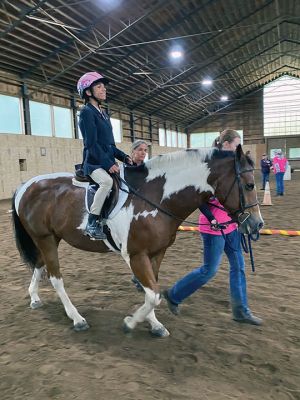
214,246
279,182
264,179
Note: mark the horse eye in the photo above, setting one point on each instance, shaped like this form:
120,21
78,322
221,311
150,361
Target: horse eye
249,186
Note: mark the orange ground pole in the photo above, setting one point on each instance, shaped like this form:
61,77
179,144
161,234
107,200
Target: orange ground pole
262,231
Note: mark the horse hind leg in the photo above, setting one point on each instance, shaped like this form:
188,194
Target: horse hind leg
35,301
48,247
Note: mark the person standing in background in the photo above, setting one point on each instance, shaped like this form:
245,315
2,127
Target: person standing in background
280,164
265,167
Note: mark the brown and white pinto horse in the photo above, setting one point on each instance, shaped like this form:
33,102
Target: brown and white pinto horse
49,208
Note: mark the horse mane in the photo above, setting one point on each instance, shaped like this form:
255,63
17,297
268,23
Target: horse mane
250,161
179,159
218,154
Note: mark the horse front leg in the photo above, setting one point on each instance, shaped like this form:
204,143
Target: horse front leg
142,269
48,247
157,328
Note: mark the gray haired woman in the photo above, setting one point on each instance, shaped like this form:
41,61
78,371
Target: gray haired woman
139,150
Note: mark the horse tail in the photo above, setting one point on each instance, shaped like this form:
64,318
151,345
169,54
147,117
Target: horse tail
27,249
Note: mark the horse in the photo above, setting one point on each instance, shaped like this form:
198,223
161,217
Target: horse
163,193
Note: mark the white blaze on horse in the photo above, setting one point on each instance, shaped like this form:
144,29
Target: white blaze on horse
166,191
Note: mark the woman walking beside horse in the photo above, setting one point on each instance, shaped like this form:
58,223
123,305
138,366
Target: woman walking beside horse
217,238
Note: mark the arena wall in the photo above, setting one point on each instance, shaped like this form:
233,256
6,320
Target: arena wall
24,156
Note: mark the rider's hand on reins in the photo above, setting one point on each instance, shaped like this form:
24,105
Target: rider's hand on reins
114,169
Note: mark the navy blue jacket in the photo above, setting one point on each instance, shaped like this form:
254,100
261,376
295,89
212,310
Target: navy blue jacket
265,165
99,149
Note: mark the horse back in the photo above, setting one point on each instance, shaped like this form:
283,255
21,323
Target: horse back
52,205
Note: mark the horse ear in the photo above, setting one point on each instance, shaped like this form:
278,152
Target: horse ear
239,152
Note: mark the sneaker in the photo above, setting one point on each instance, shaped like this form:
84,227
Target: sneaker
249,319
173,307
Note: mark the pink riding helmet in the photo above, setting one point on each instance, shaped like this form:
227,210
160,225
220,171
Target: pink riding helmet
86,81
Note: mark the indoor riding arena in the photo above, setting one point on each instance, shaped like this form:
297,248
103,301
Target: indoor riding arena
181,73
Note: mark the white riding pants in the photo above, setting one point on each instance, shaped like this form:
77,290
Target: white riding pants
105,182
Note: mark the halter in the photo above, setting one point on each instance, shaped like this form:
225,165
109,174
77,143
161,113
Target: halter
242,216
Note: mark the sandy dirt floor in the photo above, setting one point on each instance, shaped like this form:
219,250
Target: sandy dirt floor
208,356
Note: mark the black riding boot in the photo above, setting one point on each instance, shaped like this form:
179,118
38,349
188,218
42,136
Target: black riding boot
94,228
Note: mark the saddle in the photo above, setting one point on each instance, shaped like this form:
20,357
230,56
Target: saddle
110,201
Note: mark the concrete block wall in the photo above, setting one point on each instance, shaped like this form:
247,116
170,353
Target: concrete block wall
22,157
38,155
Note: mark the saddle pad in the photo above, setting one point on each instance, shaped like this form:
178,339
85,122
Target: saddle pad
90,190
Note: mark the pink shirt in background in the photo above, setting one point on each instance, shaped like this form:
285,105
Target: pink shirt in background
220,215
279,164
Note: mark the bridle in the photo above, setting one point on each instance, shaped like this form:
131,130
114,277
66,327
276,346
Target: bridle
243,215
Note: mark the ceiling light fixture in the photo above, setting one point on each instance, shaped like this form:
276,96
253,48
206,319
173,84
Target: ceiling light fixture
207,82
142,73
176,53
224,98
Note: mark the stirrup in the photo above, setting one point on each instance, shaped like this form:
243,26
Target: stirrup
94,229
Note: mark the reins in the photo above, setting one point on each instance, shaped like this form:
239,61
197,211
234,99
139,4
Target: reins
136,193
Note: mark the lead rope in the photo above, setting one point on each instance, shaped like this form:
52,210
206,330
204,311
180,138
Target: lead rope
247,247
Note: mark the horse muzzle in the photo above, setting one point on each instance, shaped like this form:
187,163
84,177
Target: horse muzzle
249,223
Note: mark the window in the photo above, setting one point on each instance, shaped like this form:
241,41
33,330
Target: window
40,116
282,107
173,138
48,120
273,152
117,129
162,136
210,137
206,139
62,122
169,138
77,120
10,114
184,140
197,140
294,152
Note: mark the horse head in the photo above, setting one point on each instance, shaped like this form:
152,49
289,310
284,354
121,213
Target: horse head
235,188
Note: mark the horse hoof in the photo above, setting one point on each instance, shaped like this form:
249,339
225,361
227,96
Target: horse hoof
126,325
160,332
81,326
36,304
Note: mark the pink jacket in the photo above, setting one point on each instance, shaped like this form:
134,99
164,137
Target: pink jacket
220,215
279,164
